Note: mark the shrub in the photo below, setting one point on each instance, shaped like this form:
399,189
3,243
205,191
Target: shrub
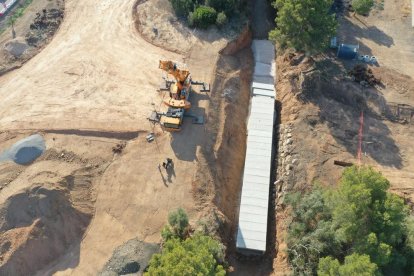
203,17
227,6
362,6
178,220
354,264
197,255
221,19
182,7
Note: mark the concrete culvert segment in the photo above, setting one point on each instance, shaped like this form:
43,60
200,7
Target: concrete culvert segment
25,151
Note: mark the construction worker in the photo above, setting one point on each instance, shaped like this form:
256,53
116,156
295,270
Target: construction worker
169,162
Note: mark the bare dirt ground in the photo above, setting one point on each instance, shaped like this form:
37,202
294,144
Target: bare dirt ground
33,31
321,106
48,205
385,33
91,88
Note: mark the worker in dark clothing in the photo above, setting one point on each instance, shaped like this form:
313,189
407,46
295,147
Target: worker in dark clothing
169,163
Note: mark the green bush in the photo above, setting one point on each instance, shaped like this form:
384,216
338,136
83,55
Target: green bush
203,17
182,7
179,221
362,6
227,6
221,19
197,255
354,264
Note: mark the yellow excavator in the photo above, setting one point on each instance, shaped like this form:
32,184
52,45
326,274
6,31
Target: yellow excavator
177,101
180,89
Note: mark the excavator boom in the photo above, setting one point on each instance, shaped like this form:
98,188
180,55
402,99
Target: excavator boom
172,69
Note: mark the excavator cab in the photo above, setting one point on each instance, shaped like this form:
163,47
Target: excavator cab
172,119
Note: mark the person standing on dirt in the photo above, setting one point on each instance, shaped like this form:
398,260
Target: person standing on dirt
169,162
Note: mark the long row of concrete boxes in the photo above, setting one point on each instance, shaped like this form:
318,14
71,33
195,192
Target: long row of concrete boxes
254,203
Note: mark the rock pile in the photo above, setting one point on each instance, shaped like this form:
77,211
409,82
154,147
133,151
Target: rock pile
16,47
287,162
363,75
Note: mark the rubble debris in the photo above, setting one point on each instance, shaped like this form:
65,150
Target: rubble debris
44,26
364,75
119,147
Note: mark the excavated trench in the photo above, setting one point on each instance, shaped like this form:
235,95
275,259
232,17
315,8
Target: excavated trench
230,99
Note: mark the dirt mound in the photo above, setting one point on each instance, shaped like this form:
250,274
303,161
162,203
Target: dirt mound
41,220
131,257
46,220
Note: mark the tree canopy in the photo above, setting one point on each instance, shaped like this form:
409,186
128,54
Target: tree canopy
304,25
354,264
359,220
203,13
362,6
196,255
182,254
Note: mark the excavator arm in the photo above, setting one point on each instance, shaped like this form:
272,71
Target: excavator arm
172,69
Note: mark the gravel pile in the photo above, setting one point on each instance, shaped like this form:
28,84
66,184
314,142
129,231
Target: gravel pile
131,258
25,151
16,47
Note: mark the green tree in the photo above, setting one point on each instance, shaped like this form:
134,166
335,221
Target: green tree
310,235
182,7
328,266
366,216
354,264
358,217
370,220
197,255
203,17
362,6
304,25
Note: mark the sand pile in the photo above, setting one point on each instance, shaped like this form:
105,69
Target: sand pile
25,151
36,226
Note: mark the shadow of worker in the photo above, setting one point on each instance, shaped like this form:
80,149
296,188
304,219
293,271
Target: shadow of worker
170,171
